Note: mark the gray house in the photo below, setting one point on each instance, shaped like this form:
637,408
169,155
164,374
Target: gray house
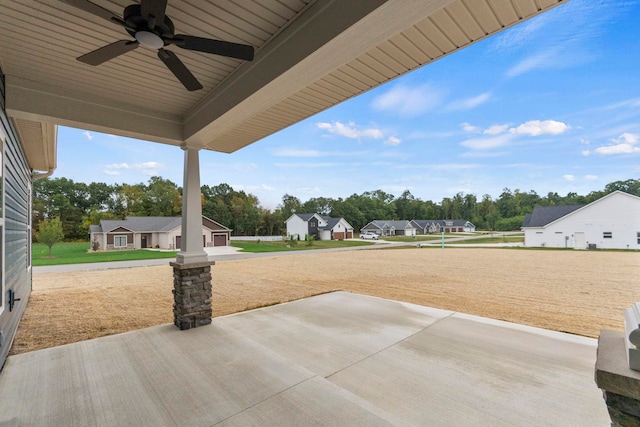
429,226
390,228
140,232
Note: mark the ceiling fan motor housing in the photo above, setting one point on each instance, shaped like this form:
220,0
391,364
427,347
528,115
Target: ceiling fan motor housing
135,23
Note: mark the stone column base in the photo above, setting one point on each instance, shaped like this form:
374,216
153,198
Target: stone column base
192,294
620,384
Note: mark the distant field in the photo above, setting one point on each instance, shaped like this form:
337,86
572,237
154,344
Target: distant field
79,253
297,245
509,238
580,292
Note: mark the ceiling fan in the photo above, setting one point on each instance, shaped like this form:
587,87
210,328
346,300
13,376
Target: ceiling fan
150,27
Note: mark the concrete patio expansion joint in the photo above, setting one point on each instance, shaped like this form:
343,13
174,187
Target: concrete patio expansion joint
284,390
391,345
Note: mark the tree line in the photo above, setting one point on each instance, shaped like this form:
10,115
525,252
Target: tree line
79,205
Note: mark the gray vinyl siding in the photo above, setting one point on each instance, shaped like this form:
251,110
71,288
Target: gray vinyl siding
17,199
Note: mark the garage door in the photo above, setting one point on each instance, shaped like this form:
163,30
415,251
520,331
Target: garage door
219,240
338,235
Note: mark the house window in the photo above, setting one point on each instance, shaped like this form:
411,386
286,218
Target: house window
638,236
607,235
558,232
313,224
120,241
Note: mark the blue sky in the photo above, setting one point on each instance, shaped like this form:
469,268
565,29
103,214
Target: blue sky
552,104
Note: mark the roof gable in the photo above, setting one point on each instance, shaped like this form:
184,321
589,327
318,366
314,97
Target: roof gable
140,224
544,215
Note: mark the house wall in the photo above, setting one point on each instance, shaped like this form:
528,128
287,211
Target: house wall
324,235
617,213
296,226
16,230
173,234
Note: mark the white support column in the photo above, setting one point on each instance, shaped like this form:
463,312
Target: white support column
192,250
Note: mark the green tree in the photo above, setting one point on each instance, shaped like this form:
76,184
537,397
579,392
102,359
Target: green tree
162,198
290,205
50,232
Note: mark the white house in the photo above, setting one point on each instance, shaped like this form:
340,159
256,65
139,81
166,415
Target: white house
321,227
138,232
611,222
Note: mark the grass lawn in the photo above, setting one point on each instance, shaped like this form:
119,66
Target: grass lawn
78,253
278,246
510,238
418,238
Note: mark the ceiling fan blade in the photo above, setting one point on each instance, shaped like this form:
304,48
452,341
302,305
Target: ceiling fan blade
108,52
94,9
153,11
217,47
178,69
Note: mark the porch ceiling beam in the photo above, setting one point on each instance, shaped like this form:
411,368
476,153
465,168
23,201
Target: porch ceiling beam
36,101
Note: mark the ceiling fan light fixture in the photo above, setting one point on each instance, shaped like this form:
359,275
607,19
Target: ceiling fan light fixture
149,40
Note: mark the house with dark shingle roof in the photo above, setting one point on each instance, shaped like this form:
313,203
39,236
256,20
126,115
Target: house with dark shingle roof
140,232
611,222
429,226
319,226
390,228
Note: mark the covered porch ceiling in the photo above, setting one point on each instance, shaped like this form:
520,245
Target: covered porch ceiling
310,55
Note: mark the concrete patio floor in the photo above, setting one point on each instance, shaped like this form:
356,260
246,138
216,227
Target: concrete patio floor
336,359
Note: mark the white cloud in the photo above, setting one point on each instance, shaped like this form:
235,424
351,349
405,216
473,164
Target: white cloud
627,143
264,188
585,152
88,135
409,101
538,127
618,149
468,103
118,166
147,168
628,138
469,128
539,60
350,130
487,143
392,140
591,177
569,177
564,37
308,190
496,129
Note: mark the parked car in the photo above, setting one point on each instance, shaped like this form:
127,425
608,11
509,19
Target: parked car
369,235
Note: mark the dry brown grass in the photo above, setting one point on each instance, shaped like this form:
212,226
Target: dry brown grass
580,292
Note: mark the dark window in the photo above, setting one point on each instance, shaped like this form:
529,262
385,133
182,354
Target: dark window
638,236
607,235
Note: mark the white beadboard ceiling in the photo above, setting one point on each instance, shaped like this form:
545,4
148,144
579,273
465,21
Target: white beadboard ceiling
310,55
